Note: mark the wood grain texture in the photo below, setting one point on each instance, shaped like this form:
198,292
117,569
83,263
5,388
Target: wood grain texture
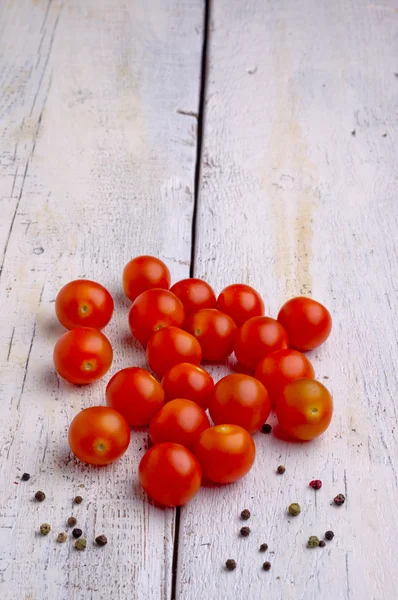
298,196
97,165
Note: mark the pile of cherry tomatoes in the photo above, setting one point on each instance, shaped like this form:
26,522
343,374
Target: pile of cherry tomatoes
181,327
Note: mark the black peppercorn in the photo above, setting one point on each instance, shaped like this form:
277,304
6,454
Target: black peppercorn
40,496
266,428
281,469
322,544
25,477
78,500
230,564
339,500
267,566
245,531
329,535
101,540
77,533
245,514
263,547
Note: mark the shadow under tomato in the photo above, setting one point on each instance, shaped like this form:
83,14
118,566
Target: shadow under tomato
281,435
237,367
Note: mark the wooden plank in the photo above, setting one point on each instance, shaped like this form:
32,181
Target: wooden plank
97,165
298,196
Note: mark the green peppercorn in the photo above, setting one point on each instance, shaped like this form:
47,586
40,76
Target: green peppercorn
294,509
313,542
45,529
62,537
81,544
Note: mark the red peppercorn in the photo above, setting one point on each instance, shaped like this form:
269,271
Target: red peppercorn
316,484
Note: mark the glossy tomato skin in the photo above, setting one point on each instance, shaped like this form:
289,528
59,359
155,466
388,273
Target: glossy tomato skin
99,435
84,303
225,452
215,332
144,273
135,394
241,400
180,421
188,381
170,346
304,409
257,338
170,474
241,302
195,294
307,322
82,355
153,310
280,368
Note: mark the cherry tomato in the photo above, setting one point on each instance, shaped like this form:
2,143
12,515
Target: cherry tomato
99,435
170,346
215,332
279,368
135,394
144,273
257,338
241,302
195,294
188,381
307,322
241,400
84,303
153,310
225,453
170,474
304,409
82,355
180,421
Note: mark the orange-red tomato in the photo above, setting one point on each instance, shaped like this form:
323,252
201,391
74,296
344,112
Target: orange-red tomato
188,381
144,273
153,310
170,474
180,421
304,409
225,453
82,355
241,400
307,322
195,294
99,435
280,368
135,394
215,332
170,346
84,303
257,338
241,302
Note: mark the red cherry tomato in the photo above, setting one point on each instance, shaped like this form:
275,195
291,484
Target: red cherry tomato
170,346
180,421
144,273
304,409
170,474
188,381
241,302
82,355
135,394
215,332
280,368
99,435
84,303
153,310
241,400
257,338
225,452
195,294
307,322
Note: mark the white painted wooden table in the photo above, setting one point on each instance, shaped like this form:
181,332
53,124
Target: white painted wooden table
102,137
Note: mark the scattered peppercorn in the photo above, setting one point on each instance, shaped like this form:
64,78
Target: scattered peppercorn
40,496
266,428
263,547
281,469
45,529
78,500
313,542
101,540
72,521
329,535
230,564
81,544
25,477
267,566
322,544
339,500
294,509
245,531
62,537
77,533
245,514
316,484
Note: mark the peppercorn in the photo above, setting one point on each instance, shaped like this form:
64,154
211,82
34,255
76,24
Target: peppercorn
245,514
322,544
81,544
25,477
45,529
266,428
294,509
40,496
266,566
78,500
313,542
230,564
245,531
101,540
72,521
329,535
263,547
281,469
339,500
316,484
77,533
62,537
